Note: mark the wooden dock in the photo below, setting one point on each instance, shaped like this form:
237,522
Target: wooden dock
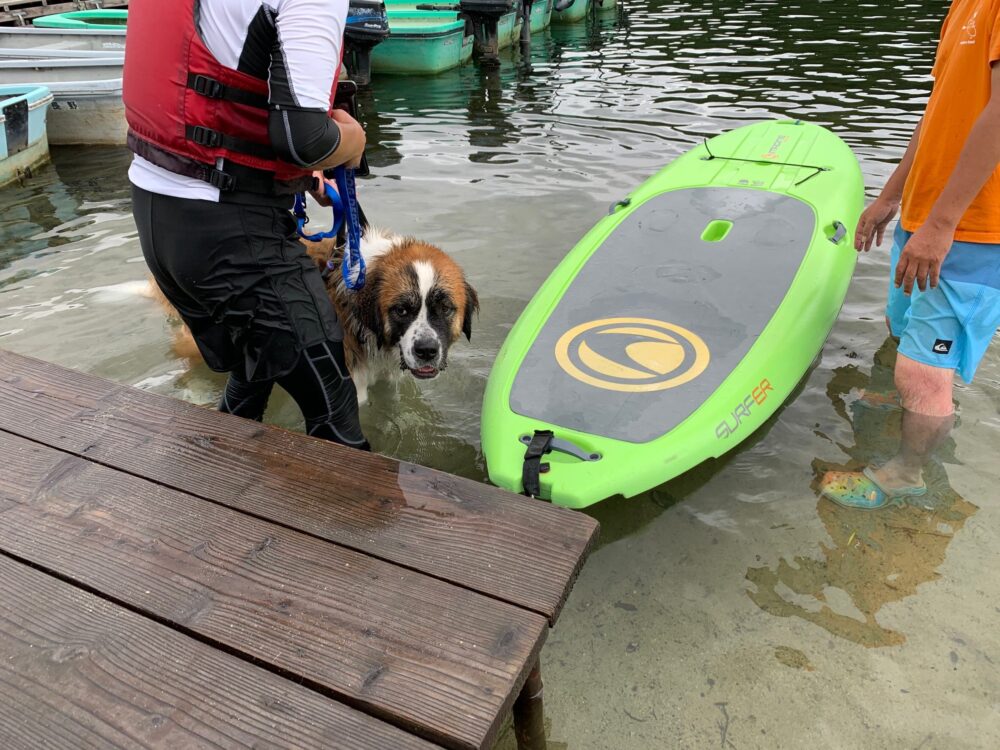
172,577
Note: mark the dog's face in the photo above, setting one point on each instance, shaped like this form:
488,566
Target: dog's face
416,297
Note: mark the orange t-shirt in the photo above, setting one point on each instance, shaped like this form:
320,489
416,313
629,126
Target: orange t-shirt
970,43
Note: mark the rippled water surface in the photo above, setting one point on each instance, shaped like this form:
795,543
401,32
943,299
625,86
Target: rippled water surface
729,608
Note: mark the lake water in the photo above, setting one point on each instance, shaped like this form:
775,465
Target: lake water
730,608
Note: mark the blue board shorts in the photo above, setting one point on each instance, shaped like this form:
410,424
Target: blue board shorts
952,325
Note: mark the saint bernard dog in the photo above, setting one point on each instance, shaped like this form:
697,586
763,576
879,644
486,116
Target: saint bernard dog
414,305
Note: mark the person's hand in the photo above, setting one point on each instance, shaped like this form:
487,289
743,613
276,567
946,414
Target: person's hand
922,257
872,224
319,192
352,138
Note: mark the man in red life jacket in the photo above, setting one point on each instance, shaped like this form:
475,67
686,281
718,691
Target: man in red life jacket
229,110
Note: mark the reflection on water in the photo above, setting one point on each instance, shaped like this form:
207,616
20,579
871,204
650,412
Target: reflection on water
506,170
870,558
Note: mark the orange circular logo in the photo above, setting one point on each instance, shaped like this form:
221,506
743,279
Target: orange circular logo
632,355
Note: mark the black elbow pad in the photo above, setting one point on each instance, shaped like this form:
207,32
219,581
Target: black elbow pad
303,137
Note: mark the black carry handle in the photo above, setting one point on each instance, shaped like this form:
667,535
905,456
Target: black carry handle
539,445
346,99
840,231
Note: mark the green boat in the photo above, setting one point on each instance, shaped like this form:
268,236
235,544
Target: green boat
423,43
541,15
83,19
681,322
508,25
576,11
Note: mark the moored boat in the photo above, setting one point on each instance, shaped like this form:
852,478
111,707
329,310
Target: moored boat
109,39
87,93
508,18
422,43
42,68
541,15
570,11
23,142
83,19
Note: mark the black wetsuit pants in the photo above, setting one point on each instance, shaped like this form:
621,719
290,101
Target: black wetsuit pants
321,387
255,303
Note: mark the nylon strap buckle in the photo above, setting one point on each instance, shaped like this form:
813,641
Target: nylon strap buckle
540,445
205,136
221,180
206,86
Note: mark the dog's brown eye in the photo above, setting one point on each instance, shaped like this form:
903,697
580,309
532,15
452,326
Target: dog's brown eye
400,310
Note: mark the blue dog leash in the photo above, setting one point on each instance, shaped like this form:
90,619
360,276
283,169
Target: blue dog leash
344,201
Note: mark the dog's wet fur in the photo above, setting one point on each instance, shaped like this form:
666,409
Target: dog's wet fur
415,304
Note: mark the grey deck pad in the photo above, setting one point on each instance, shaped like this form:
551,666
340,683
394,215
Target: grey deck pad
623,354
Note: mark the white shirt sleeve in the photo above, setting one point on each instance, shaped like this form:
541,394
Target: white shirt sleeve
307,55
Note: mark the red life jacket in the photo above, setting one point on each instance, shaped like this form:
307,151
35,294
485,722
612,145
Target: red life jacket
186,110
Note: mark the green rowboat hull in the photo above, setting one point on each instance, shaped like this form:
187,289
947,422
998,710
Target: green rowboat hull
541,15
422,43
574,13
83,19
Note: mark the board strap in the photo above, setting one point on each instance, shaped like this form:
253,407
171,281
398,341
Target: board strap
541,444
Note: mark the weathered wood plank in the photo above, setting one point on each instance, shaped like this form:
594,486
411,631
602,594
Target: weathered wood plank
519,550
79,672
417,652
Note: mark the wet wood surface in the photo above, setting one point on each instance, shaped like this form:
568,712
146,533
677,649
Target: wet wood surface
80,672
148,539
509,547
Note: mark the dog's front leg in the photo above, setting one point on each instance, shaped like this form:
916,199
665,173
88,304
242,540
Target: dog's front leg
359,374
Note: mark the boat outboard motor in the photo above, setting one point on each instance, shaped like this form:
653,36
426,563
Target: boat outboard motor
367,26
485,16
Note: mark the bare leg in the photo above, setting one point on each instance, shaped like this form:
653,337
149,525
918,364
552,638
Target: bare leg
928,415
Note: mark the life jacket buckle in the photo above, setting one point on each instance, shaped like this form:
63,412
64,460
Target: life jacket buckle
206,86
221,180
205,136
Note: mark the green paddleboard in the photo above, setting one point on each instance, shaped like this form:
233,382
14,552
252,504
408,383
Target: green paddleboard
682,321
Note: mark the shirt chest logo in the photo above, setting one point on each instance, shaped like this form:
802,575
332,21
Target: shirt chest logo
969,31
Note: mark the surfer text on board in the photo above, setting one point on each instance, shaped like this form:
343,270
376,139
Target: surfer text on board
944,302
732,423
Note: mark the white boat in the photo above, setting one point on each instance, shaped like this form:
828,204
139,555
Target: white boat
87,112
103,40
61,69
87,93
23,142
54,53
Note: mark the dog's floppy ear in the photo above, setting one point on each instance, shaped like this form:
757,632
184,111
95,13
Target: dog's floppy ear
471,307
368,310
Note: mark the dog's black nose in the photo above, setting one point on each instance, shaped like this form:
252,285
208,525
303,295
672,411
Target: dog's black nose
426,349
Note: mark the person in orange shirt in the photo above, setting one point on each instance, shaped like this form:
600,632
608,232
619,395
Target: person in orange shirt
944,294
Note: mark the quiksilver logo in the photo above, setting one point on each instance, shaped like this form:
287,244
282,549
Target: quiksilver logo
942,347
